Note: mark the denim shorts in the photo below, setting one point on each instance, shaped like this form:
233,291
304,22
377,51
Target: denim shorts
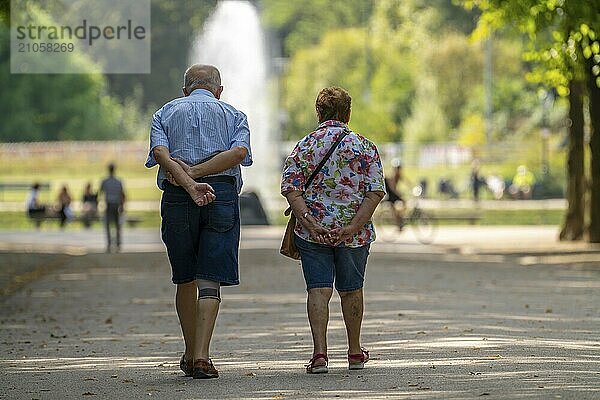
322,265
202,242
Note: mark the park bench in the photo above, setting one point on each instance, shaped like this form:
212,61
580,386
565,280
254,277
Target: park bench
19,186
470,218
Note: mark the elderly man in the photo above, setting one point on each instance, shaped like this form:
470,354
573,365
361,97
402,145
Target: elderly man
199,208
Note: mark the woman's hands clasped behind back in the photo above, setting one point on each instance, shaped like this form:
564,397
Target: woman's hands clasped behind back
329,237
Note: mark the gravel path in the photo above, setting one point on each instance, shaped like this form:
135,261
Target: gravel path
104,326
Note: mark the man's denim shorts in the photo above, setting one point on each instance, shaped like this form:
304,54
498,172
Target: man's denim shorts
202,242
322,265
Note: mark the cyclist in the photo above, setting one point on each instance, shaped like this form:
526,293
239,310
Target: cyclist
394,196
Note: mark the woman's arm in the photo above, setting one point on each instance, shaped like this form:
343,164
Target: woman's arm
201,193
302,213
363,215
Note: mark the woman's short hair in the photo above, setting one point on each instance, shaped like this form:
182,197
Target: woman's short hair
333,103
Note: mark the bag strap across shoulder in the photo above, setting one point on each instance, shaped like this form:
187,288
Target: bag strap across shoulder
324,160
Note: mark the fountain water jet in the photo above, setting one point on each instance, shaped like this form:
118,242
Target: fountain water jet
233,41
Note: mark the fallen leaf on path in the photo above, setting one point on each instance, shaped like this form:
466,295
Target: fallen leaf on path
89,394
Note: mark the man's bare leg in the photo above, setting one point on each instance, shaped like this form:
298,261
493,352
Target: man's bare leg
207,311
352,309
318,317
185,302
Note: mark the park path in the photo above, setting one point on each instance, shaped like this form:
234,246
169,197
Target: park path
104,326
540,242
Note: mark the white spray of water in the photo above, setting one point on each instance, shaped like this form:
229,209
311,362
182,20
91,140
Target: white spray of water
233,41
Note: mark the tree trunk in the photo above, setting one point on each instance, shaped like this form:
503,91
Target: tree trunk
594,96
573,225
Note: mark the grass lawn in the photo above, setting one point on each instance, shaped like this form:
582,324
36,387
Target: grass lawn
151,219
76,164
20,221
75,167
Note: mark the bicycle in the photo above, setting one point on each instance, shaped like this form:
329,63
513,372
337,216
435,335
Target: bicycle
423,225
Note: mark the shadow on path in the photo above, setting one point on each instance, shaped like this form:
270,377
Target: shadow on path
104,325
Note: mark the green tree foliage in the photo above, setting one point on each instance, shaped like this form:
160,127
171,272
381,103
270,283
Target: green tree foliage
562,33
40,107
406,49
455,63
301,24
174,24
4,11
369,65
565,49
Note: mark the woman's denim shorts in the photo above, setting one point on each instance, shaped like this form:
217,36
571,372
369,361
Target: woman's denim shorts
202,242
322,265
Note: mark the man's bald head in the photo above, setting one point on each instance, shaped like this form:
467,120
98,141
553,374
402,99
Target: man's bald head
200,76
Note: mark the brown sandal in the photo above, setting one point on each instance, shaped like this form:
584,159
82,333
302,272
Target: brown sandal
204,369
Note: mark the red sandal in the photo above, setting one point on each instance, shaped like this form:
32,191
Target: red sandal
311,368
358,361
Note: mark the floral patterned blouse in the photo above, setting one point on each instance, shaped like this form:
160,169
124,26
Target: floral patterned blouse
336,193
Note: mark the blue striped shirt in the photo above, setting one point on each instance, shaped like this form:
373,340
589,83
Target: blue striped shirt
195,128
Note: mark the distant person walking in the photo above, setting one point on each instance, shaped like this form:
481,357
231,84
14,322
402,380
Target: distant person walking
114,198
334,229
202,239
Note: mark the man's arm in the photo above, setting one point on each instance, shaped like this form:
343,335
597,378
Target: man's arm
219,163
201,193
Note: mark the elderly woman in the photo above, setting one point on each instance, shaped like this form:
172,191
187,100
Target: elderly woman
334,228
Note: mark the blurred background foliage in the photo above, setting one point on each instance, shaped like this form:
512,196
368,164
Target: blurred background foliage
415,69
412,67
98,107
415,73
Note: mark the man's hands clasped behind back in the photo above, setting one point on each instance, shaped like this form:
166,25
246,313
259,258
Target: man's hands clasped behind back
201,193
